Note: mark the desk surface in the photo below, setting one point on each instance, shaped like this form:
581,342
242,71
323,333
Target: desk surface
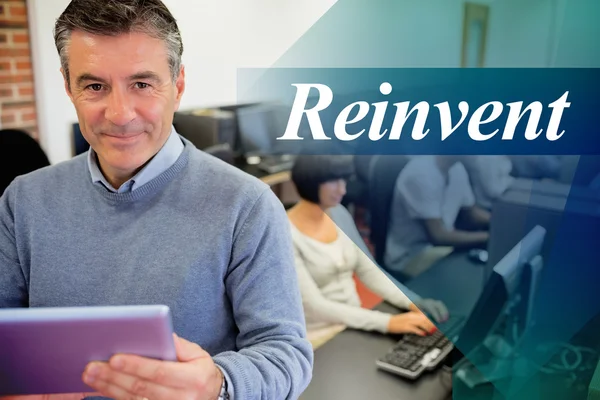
345,366
458,282
269,179
455,280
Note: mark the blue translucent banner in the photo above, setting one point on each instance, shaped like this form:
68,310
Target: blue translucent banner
430,110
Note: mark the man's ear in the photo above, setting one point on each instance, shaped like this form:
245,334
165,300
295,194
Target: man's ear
67,88
179,87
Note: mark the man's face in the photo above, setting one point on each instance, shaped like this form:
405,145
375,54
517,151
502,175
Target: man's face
124,96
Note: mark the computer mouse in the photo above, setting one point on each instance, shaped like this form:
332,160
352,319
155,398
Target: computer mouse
479,256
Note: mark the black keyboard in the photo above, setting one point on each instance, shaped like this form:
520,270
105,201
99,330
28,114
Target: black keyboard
414,354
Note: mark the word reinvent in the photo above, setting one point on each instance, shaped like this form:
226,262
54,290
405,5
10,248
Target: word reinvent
488,113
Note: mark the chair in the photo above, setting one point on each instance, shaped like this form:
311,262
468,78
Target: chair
383,174
362,166
358,186
19,155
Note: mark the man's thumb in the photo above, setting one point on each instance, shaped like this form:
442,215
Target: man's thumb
188,351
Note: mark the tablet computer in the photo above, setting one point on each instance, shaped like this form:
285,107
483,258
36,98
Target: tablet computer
46,350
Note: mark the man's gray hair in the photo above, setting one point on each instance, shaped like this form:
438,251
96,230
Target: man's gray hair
115,17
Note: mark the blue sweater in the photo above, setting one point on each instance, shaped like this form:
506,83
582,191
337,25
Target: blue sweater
204,238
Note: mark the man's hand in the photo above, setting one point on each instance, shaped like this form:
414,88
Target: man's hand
126,377
435,308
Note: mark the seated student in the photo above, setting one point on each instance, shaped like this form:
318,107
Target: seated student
327,258
490,177
19,155
536,166
432,193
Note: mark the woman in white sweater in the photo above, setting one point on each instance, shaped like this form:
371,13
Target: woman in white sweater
327,256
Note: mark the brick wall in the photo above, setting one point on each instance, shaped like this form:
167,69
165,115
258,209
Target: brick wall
17,102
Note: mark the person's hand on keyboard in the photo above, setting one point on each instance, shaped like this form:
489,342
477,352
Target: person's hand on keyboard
436,309
411,322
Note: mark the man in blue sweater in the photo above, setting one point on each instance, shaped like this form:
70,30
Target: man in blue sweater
146,218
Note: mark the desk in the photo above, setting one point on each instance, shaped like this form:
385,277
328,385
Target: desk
458,282
540,385
345,367
276,179
455,280
270,179
280,182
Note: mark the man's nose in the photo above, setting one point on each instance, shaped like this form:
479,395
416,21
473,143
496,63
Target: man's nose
119,110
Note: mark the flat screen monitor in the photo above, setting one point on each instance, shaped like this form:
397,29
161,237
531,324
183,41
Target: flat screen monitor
503,289
259,127
80,145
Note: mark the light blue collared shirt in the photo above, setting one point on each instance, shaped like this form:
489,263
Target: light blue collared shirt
164,159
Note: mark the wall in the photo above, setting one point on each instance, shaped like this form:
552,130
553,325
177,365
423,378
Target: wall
17,103
526,43
55,111
222,36
381,33
544,33
577,46
408,33
219,37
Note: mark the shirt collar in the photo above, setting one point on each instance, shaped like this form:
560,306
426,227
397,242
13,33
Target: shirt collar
164,159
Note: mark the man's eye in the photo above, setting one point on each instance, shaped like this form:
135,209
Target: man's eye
96,87
141,85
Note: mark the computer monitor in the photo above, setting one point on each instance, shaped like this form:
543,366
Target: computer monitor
516,212
80,145
566,191
523,316
259,127
504,291
503,313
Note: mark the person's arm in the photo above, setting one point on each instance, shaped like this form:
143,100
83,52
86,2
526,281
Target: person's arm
437,309
548,167
13,286
344,220
475,218
370,274
274,360
333,312
471,217
440,236
353,316
424,201
492,174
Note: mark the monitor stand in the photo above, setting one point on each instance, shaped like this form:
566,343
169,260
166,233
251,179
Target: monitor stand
489,362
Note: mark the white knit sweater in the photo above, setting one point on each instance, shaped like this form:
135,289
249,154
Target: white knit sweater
325,274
